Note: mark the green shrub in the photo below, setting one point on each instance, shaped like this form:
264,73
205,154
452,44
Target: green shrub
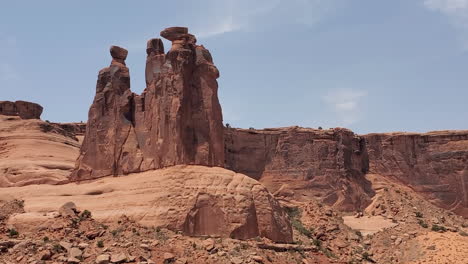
438,228
100,244
297,224
12,232
85,214
422,223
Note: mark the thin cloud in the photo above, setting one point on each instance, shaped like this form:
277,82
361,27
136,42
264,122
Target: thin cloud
225,26
456,11
247,15
346,104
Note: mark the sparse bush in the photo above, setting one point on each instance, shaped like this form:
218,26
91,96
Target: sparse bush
320,128
317,242
358,233
12,232
160,235
56,248
297,224
367,256
85,214
463,233
46,239
438,228
419,214
422,223
115,232
100,244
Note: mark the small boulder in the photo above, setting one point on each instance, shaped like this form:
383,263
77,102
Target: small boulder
103,259
68,209
118,258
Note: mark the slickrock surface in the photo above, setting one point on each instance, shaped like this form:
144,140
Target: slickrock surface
23,109
176,120
434,164
196,200
303,163
34,152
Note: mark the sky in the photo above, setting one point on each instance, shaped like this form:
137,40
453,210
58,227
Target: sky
367,65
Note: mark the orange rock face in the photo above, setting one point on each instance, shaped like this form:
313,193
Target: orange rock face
304,163
23,109
176,120
196,200
434,164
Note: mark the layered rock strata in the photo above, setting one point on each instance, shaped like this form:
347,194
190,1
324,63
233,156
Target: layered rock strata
23,109
176,120
434,164
302,163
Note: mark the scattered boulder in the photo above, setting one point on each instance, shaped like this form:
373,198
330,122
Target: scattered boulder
68,209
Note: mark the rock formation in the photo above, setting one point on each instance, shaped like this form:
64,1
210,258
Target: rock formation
23,109
304,163
35,152
195,200
176,120
434,164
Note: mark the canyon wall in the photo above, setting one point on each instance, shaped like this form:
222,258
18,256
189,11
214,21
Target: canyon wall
303,163
176,120
434,164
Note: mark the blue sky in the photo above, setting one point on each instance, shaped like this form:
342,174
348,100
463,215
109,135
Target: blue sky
368,65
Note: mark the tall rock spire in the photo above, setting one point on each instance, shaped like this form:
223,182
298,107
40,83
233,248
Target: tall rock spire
176,120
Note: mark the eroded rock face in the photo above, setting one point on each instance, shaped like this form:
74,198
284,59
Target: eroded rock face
23,109
434,164
303,163
35,152
176,120
195,200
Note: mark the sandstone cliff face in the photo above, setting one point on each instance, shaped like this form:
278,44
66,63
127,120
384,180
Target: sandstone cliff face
35,152
434,164
195,200
176,120
304,163
23,109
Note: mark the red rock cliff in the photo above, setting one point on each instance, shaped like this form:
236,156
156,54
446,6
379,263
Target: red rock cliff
176,120
434,164
304,163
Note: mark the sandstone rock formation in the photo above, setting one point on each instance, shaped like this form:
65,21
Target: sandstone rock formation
434,164
23,109
176,120
196,200
35,152
304,163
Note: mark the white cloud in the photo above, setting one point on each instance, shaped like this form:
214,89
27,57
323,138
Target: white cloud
346,104
228,24
237,15
456,11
